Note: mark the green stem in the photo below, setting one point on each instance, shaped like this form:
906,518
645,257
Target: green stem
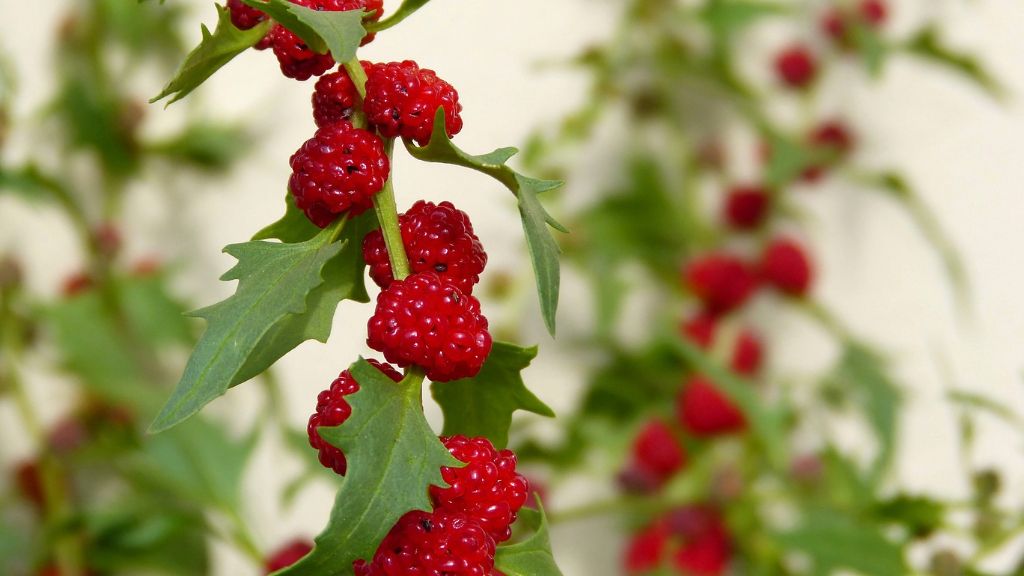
617,505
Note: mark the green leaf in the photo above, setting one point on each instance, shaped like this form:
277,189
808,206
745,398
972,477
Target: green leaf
339,33
147,534
154,314
274,282
726,17
543,249
767,424
533,556
834,541
483,405
344,279
863,375
214,51
30,184
293,227
926,45
987,405
393,456
921,515
206,145
898,189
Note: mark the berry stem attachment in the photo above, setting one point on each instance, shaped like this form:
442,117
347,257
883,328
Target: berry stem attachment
387,214
358,76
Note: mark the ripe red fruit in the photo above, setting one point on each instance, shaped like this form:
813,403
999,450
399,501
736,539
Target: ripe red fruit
333,410
703,411
831,138
438,238
796,66
657,455
337,171
487,489
873,12
836,22
722,281
297,60
746,207
786,266
243,16
287,555
747,349
29,480
429,323
692,540
402,99
335,97
441,543
77,283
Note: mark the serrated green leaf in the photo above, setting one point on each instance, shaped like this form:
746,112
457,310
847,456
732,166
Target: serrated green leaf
393,456
834,541
214,51
293,227
344,279
927,45
483,405
543,249
337,32
275,281
766,423
533,556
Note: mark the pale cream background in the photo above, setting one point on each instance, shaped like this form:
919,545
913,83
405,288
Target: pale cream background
963,151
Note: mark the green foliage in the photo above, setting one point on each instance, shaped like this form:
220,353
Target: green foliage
147,534
544,250
921,515
408,8
292,228
276,281
393,456
206,145
532,556
726,17
483,405
339,33
214,51
927,45
834,541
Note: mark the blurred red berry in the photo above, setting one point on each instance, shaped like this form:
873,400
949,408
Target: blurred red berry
76,284
831,138
704,411
873,12
796,66
287,555
747,350
722,281
746,207
657,455
29,480
692,540
786,266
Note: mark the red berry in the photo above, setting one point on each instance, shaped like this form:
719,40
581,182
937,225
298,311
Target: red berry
402,99
487,489
873,12
796,66
29,480
441,543
747,350
646,550
746,207
786,266
333,410
693,540
337,171
297,60
77,283
427,322
833,139
721,281
657,455
833,24
438,238
335,97
703,411
243,16
287,555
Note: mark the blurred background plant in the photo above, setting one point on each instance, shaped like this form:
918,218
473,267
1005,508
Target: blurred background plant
695,245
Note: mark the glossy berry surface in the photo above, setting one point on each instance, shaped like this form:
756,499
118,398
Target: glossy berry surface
243,16
786,266
438,238
704,411
692,541
297,60
747,351
487,488
287,555
335,97
427,322
746,207
402,99
441,543
721,281
333,410
796,66
338,171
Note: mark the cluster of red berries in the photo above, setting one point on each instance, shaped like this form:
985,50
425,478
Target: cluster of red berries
693,540
797,66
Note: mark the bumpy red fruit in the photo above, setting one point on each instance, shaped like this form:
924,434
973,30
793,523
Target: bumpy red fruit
746,207
402,99
297,60
438,238
722,281
703,411
441,543
427,322
287,555
796,66
243,16
657,455
335,97
333,410
747,350
786,266
338,171
692,540
487,488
